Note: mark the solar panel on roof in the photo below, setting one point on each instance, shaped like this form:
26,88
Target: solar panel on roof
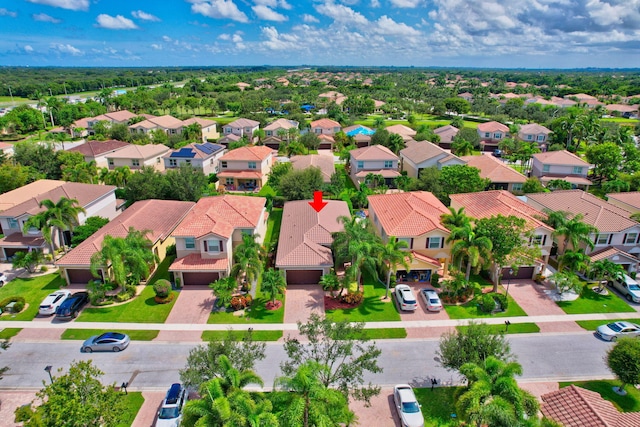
184,152
209,148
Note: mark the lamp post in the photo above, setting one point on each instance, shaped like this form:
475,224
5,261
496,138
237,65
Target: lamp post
48,369
508,283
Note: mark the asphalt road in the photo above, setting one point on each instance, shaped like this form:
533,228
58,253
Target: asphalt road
148,365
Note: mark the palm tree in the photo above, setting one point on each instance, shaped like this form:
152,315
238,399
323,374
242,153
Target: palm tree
492,396
273,283
455,219
605,270
574,260
390,255
357,244
232,379
470,246
575,232
330,282
193,132
461,147
214,409
248,257
59,216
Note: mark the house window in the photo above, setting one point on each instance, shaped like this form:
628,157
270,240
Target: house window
190,243
173,162
173,131
602,239
497,135
135,162
248,231
268,133
407,240
211,161
517,187
188,161
577,169
388,164
229,181
487,134
541,138
536,240
630,238
317,130
360,165
223,164
252,165
529,137
434,242
545,168
158,160
110,162
227,130
213,246
13,223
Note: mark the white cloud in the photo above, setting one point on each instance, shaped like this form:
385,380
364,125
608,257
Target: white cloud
64,4
309,18
27,48
118,22
139,14
218,9
274,4
342,14
66,48
409,4
224,36
156,46
388,26
237,38
6,12
166,39
375,3
43,17
263,12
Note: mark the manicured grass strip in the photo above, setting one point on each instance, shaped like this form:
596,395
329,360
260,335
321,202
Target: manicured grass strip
8,333
628,403
591,302
141,309
514,328
266,190
258,313
33,290
238,335
83,334
592,325
385,333
134,401
471,309
437,405
273,226
372,308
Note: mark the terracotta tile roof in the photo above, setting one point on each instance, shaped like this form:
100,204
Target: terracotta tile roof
282,124
386,173
446,133
494,169
160,217
571,179
562,157
240,174
373,152
221,215
401,130
631,198
325,163
575,406
193,262
533,129
6,145
120,116
82,123
408,214
19,240
324,136
425,258
486,204
96,148
204,123
305,236
166,122
133,151
419,152
244,123
605,216
609,252
249,153
492,127
325,124
84,193
230,137
26,192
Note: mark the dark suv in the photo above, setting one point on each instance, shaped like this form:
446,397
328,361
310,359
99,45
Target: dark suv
71,306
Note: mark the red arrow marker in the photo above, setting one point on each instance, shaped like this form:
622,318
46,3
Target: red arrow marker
317,203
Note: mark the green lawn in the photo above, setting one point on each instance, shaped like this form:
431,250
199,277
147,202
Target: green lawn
8,333
257,314
34,290
628,403
592,325
238,335
348,183
141,309
438,405
385,333
134,401
273,226
83,334
591,302
266,190
470,309
514,328
372,308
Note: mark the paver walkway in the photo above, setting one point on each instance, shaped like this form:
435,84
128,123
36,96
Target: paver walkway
193,306
381,412
10,401
147,413
302,300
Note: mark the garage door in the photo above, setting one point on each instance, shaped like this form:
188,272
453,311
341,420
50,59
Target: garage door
80,276
303,277
522,273
200,278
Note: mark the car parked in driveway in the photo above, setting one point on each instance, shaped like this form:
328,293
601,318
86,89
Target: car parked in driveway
405,297
70,307
50,304
431,299
628,287
407,406
109,341
170,413
613,331
3,279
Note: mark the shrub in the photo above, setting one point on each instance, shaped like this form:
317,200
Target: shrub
23,413
502,300
18,306
353,298
487,303
162,288
18,300
166,300
44,269
123,296
240,302
171,250
435,280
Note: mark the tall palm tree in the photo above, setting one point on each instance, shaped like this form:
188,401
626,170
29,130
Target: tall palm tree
391,255
466,244
575,232
59,217
357,244
214,409
455,219
232,379
273,283
574,260
248,257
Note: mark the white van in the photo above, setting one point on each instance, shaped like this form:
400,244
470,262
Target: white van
627,287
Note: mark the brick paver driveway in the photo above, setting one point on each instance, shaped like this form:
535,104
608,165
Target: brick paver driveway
381,412
193,306
302,300
422,314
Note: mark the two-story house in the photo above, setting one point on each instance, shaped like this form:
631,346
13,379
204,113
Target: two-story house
413,217
241,127
98,151
278,131
404,131
138,156
204,157
325,127
491,134
446,134
618,236
168,124
563,165
534,132
18,205
629,201
502,177
375,159
114,117
208,128
157,217
487,204
323,162
245,168
206,237
304,246
424,154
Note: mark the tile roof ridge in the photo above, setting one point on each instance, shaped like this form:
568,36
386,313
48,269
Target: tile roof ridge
579,391
225,200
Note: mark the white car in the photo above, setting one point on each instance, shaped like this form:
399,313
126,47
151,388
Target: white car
615,330
627,287
170,413
431,299
3,279
52,302
407,406
405,297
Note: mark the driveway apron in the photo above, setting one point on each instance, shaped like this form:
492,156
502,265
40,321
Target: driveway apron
302,300
421,313
193,306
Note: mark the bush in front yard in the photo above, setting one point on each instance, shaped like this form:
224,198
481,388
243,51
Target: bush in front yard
162,288
353,298
166,300
487,303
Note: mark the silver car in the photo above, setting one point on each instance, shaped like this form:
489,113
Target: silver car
407,406
627,287
3,279
109,341
431,299
615,330
52,301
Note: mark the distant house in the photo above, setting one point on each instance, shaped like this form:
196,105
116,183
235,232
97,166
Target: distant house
534,132
446,134
168,124
375,159
137,156
6,148
200,156
279,127
209,128
404,131
491,134
304,246
360,134
98,151
241,127
114,117
323,162
228,139
467,96
325,127
424,154
245,168
561,165
502,177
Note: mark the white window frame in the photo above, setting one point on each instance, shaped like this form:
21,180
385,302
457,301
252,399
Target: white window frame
628,240
173,162
517,186
604,237
577,170
407,240
388,164
189,242
536,240
13,223
110,162
497,135
540,138
253,165
135,162
209,241
230,181
432,241
360,164
546,168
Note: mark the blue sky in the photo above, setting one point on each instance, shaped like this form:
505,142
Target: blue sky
495,33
